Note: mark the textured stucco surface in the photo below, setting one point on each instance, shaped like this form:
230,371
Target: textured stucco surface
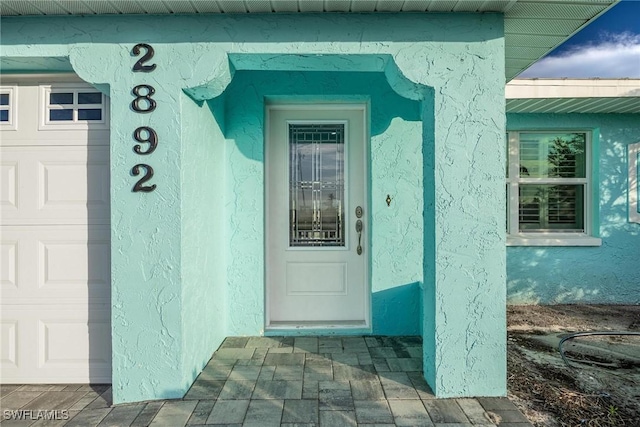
453,64
464,314
204,302
604,274
395,168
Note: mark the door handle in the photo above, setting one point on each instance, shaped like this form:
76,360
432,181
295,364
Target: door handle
359,231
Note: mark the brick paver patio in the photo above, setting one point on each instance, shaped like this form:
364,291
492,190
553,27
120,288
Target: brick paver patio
277,381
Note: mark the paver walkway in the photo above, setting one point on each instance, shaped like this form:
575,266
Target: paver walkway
277,381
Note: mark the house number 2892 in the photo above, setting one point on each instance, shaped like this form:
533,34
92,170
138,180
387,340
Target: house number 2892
143,102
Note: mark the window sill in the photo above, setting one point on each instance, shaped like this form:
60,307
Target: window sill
553,240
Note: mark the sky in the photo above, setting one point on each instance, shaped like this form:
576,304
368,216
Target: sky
609,47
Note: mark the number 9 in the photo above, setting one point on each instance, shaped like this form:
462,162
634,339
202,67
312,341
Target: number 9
152,139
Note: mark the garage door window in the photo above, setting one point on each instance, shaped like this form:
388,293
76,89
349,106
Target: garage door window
7,107
69,107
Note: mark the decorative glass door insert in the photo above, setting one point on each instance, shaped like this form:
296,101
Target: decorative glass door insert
316,184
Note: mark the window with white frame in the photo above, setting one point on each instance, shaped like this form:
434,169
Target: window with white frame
8,106
66,106
548,188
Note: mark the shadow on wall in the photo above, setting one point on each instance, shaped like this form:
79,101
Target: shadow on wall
396,311
98,265
605,274
246,95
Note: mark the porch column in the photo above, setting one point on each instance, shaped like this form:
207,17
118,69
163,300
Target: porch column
464,328
157,250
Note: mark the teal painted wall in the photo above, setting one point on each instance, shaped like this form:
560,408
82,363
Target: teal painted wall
204,300
464,329
395,168
604,274
452,64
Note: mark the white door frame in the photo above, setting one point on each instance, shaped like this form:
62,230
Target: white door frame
364,108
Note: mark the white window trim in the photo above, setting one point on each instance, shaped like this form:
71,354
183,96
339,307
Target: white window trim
634,207
12,124
553,239
536,238
46,124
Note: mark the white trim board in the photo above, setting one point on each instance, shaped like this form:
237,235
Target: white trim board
634,164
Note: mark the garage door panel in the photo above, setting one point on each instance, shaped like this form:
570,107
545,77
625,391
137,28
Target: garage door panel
8,186
18,352
74,184
65,343
8,344
9,263
56,185
19,272
69,341
63,185
73,263
56,263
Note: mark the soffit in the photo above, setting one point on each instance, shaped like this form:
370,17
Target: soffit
621,96
532,27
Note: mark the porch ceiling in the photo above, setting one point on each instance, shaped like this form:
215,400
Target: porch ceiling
532,27
573,96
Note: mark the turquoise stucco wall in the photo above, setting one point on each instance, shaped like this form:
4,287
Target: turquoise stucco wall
204,301
452,63
603,274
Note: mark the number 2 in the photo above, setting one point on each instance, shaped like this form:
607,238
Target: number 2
139,65
147,176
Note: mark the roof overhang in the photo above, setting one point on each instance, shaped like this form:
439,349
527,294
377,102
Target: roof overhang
573,96
532,27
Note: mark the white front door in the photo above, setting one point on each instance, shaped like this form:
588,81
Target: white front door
317,217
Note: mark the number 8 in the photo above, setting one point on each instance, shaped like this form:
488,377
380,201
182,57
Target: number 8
151,104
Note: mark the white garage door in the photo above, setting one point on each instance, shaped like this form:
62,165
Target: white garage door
55,271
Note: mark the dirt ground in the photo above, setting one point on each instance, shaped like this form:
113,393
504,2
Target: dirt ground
601,387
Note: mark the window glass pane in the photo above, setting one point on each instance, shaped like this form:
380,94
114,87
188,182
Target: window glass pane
4,115
506,143
4,99
316,184
552,155
61,98
89,98
552,208
60,115
90,114
506,222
